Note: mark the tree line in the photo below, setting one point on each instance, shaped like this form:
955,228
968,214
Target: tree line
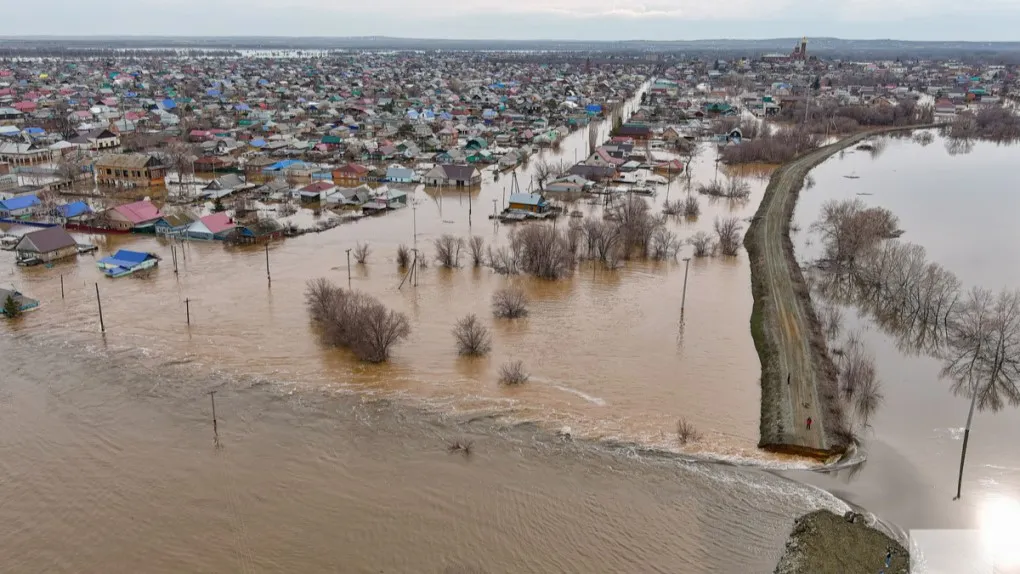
975,333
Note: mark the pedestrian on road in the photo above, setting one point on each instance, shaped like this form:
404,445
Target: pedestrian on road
809,421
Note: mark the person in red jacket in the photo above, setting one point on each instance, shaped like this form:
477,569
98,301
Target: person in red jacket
809,423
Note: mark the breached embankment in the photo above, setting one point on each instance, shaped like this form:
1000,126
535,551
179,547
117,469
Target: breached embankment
824,543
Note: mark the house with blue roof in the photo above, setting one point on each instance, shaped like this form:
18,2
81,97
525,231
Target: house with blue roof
125,262
531,202
20,206
73,210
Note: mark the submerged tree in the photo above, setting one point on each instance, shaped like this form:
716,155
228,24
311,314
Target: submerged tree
983,357
472,337
11,307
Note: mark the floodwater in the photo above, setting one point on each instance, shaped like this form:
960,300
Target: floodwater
332,465
962,208
607,350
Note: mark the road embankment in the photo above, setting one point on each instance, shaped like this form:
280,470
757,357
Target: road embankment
799,379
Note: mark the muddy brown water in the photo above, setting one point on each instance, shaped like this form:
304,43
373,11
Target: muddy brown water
962,209
332,465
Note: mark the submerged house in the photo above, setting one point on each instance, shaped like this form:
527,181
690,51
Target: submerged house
400,174
46,245
139,216
454,175
174,224
211,227
260,231
125,262
19,206
531,202
23,303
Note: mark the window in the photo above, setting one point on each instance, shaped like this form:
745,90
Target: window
109,172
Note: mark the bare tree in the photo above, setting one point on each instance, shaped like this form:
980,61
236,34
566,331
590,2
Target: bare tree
513,373
178,157
858,380
448,250
601,239
703,244
510,303
686,432
503,261
593,138
477,247
361,252
727,231
636,224
472,337
355,320
542,251
983,359
664,244
544,171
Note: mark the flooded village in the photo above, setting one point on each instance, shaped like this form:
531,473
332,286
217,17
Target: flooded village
474,263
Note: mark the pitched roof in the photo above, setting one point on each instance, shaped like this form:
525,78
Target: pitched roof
218,222
139,211
459,172
19,202
526,198
48,239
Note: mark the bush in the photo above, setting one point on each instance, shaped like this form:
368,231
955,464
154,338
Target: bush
355,320
727,231
513,373
703,244
510,303
403,256
472,337
361,253
686,432
691,207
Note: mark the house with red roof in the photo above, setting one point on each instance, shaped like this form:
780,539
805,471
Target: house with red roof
137,216
211,227
350,175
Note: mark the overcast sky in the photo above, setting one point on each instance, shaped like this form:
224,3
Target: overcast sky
978,20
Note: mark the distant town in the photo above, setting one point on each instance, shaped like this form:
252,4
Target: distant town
234,145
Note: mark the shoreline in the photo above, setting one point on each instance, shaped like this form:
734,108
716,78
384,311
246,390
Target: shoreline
784,326
822,542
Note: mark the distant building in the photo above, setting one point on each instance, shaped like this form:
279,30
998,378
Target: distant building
130,170
800,51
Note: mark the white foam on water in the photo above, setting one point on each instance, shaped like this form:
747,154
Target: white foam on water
583,395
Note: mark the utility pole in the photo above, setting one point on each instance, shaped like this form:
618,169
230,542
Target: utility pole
348,268
61,285
102,325
269,275
187,309
216,432
414,221
683,299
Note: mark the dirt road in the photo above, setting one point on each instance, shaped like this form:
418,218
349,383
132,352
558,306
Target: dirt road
798,377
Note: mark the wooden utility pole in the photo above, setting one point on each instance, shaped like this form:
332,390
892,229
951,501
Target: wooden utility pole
102,325
348,269
269,275
683,299
216,432
61,285
187,309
